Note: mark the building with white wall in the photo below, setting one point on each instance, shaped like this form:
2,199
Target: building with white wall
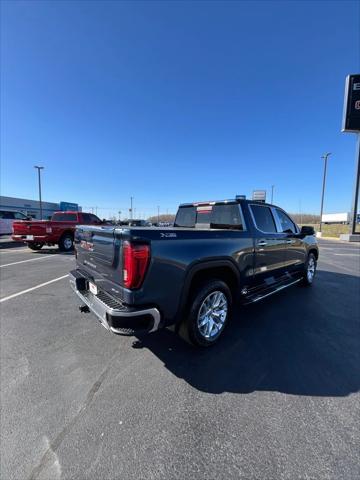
32,207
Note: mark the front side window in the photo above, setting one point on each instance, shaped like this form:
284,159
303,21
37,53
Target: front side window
20,216
287,225
263,218
90,218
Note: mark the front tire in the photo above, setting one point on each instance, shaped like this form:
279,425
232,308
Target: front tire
66,243
310,270
209,312
35,246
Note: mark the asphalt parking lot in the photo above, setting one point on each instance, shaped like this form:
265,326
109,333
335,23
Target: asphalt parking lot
277,398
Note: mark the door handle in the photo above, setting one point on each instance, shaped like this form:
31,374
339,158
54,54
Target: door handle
262,243
288,241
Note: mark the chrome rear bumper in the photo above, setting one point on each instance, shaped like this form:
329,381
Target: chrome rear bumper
113,315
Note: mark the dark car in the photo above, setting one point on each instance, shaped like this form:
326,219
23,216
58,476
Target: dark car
137,280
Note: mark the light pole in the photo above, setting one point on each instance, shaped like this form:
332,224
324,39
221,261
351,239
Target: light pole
131,207
158,209
325,157
272,193
39,179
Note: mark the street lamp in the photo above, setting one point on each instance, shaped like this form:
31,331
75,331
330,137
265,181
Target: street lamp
131,207
325,157
272,193
39,178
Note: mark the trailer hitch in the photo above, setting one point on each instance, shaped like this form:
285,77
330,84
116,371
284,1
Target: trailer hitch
84,309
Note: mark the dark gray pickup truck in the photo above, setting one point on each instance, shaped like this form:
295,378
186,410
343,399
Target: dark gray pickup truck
137,280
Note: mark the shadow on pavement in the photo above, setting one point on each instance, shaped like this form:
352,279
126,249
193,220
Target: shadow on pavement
8,244
305,341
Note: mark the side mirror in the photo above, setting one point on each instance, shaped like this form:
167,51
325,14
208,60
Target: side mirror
307,230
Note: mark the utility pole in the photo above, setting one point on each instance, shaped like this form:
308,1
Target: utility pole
158,210
131,207
119,212
272,193
325,157
39,179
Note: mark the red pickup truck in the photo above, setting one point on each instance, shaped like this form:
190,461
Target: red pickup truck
57,231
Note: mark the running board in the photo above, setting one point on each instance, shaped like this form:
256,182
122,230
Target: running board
257,298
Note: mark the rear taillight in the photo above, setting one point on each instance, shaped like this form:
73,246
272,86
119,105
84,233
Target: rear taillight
135,262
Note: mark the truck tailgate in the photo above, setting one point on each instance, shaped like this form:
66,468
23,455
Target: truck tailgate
30,228
98,253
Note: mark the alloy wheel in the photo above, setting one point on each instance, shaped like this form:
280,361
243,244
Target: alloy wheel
311,269
212,314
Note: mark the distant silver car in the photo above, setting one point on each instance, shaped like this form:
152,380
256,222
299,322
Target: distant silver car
7,218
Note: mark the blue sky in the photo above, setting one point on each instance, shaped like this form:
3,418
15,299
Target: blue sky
177,101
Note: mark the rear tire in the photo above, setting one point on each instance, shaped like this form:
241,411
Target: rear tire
208,314
310,270
35,246
66,243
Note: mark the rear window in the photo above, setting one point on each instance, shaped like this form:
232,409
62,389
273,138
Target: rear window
186,217
214,216
263,218
64,217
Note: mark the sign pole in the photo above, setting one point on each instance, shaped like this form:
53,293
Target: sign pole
354,209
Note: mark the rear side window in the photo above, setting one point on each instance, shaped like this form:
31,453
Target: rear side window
287,225
64,217
263,218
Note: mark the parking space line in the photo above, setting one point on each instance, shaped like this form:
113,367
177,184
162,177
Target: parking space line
23,261
32,288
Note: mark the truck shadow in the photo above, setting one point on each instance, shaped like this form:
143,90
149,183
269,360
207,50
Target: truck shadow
303,342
